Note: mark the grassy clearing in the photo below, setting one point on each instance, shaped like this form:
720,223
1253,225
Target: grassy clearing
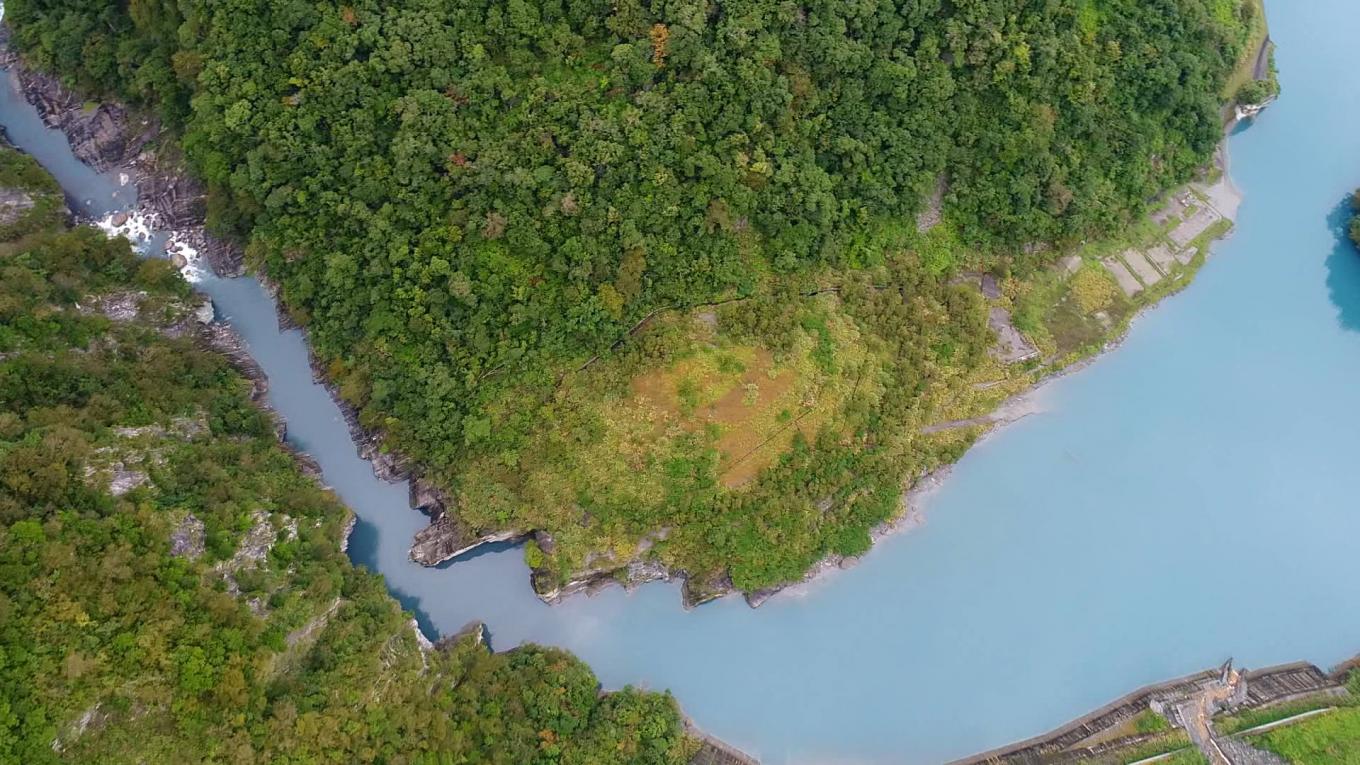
743,401
1174,741
683,410
1327,739
1254,717
1186,757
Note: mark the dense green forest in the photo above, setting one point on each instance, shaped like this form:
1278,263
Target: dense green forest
552,248
171,584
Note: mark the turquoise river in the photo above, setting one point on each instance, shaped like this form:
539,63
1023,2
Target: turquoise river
1190,496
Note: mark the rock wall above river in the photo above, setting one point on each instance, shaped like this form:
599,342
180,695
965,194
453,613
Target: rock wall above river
111,137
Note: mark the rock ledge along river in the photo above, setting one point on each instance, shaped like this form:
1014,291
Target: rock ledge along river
1188,497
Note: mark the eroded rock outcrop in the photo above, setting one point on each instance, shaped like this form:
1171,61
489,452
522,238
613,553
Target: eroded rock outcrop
110,136
14,204
189,538
104,137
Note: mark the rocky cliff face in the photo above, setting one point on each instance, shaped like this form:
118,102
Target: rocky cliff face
110,137
104,137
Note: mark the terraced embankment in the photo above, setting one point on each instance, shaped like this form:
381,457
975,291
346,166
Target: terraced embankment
1194,709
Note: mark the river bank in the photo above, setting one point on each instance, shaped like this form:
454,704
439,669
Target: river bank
113,139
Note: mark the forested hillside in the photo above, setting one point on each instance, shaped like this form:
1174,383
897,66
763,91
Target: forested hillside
479,209
171,584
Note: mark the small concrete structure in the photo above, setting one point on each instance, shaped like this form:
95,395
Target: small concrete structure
1147,274
1162,257
1127,282
1070,264
1174,208
1196,224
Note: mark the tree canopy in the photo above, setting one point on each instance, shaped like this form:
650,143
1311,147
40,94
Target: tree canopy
171,583
467,202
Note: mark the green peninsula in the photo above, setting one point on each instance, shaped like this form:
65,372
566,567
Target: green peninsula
679,287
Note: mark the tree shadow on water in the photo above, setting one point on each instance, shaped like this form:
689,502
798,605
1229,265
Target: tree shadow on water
363,551
1343,268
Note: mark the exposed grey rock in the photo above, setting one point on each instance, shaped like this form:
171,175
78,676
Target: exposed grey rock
421,640
204,314
117,306
224,257
933,212
103,137
643,571
186,541
696,591
13,205
545,542
446,538
187,428
350,523
1011,346
110,136
125,479
224,340
92,718
1122,276
255,545
991,289
474,630
250,553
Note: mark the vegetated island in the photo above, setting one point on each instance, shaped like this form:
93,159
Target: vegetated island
695,289
172,584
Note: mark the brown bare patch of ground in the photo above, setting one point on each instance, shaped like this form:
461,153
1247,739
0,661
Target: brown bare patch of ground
744,407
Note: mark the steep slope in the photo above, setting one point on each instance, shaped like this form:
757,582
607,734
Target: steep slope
172,587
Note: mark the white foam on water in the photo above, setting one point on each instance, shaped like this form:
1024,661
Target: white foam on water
135,226
186,256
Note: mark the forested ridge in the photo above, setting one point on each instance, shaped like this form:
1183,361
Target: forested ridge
172,587
467,202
